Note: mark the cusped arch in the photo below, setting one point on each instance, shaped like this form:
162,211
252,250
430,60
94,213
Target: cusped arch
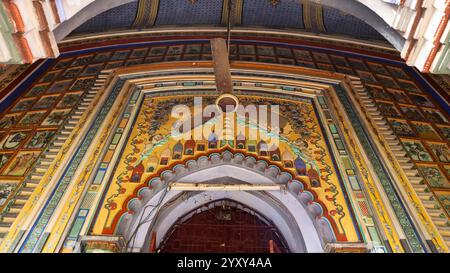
296,202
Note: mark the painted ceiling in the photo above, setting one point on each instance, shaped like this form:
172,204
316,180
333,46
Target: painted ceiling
278,14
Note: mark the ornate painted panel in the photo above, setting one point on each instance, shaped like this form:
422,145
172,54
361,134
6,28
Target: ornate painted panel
68,103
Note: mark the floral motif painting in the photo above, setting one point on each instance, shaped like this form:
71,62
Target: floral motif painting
59,87
69,100
434,116
388,109
416,150
445,132
23,105
5,191
440,151
46,102
8,120
56,118
40,139
425,131
434,176
31,119
399,96
37,91
401,128
412,113
3,159
444,198
421,100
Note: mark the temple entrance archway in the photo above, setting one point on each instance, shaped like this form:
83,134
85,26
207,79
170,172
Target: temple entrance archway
223,226
296,217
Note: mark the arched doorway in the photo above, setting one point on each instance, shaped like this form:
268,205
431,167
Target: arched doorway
223,226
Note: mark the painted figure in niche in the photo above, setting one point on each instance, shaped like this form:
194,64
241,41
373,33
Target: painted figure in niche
152,164
426,131
288,159
212,140
412,113
314,177
421,100
401,128
201,145
46,102
416,151
5,192
23,105
300,166
21,163
189,147
240,141
14,140
3,159
31,119
177,151
434,176
56,118
165,157
434,116
8,121
137,173
251,146
441,151
40,139
274,153
388,109
263,148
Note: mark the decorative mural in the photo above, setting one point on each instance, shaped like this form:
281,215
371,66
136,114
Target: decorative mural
316,149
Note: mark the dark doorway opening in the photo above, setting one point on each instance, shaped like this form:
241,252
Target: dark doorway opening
223,227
